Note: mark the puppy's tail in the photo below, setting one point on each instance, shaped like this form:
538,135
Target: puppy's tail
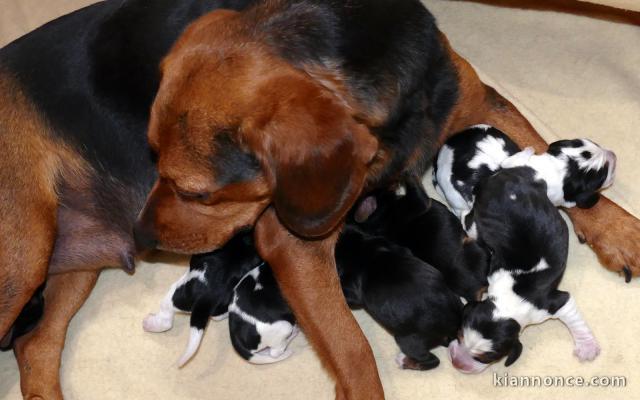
199,318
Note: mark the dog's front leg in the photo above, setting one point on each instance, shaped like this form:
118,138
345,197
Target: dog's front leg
306,273
39,351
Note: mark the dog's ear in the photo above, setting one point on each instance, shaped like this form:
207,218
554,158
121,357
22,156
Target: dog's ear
514,354
587,200
315,155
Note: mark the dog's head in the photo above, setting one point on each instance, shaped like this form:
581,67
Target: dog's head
235,129
589,169
484,339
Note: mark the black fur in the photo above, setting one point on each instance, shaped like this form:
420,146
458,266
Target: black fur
405,295
464,145
433,234
516,220
26,321
223,269
259,297
579,186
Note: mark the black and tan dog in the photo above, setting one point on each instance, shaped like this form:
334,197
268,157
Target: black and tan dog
279,116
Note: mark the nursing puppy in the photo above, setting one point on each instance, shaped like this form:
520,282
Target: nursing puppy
574,170
405,295
431,232
261,324
206,290
529,243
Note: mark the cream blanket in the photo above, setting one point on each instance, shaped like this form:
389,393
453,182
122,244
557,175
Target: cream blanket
572,76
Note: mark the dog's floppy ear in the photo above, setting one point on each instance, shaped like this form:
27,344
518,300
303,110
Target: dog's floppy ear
315,156
514,354
587,200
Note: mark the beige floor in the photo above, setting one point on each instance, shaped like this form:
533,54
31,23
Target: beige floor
574,76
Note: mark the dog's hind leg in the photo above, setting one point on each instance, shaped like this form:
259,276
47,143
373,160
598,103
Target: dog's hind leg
39,351
416,353
28,202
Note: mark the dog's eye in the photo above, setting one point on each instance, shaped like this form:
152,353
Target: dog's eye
586,155
196,196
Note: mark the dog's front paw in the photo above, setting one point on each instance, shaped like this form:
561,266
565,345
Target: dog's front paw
613,234
156,323
587,350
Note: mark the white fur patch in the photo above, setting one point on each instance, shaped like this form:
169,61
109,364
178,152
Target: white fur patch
475,343
490,152
509,304
485,127
274,337
540,266
444,182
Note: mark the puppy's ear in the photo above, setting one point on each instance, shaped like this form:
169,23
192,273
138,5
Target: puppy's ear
315,156
514,354
587,200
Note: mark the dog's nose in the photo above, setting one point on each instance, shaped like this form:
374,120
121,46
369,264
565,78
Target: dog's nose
144,237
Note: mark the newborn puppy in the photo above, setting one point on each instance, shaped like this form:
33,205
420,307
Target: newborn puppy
574,170
529,243
467,158
27,319
261,324
206,290
405,295
432,233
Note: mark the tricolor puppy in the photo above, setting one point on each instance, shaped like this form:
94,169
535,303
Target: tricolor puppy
574,170
261,324
432,233
529,243
405,295
206,290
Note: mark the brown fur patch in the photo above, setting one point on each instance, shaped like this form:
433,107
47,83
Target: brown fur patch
27,200
306,273
39,351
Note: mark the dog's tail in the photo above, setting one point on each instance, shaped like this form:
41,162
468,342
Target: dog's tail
199,318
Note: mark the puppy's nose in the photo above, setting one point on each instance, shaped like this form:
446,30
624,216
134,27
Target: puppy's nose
144,237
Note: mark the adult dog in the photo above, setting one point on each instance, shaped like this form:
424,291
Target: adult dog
256,122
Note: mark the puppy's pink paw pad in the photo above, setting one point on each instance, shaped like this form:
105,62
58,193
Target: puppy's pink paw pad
587,351
154,323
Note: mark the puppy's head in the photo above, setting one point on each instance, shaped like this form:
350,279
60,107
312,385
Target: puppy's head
484,339
235,129
589,169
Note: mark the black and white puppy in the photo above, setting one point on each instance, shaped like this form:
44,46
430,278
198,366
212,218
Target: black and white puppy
405,295
432,233
261,324
206,290
529,243
574,170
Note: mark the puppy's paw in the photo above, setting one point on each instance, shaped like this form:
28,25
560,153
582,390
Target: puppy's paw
400,359
155,323
587,350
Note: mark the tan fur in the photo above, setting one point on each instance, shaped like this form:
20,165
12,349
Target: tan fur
305,271
39,351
